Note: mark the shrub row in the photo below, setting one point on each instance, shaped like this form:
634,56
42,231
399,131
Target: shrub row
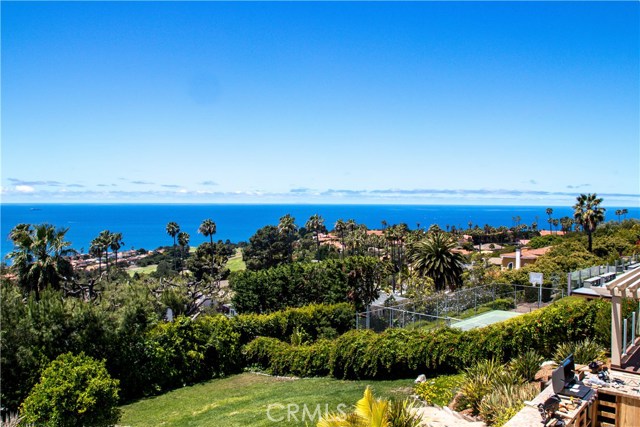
285,359
316,321
399,353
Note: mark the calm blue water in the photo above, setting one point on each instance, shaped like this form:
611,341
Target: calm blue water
143,226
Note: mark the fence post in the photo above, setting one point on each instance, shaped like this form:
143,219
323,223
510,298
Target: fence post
633,328
367,323
539,295
624,340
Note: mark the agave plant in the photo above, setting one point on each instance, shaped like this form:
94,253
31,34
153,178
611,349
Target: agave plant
583,351
402,414
482,378
505,399
526,365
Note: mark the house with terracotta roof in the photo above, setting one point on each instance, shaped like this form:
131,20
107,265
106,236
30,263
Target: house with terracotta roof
554,233
521,257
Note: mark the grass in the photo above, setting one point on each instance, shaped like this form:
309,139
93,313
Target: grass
236,263
243,400
142,270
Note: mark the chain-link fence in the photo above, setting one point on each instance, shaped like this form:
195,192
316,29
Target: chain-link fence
381,318
443,308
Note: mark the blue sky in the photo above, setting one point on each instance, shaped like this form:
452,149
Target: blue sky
367,102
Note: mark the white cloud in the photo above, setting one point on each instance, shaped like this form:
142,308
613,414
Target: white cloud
25,189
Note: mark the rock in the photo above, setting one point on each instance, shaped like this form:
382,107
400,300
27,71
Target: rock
421,378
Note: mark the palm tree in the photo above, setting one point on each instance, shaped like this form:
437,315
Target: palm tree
566,223
432,257
95,249
172,230
105,240
624,212
618,214
340,227
38,256
183,241
208,229
550,221
115,243
588,213
315,224
287,227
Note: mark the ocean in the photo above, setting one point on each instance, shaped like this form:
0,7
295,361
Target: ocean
143,225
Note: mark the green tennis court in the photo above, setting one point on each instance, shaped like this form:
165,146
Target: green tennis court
484,319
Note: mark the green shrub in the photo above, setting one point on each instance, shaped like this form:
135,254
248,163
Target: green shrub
73,391
527,364
505,304
316,321
186,351
583,352
439,390
280,358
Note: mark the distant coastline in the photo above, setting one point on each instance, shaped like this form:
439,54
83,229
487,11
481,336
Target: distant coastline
143,225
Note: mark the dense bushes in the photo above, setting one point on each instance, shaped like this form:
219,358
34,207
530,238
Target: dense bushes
353,279
73,391
185,351
401,353
280,358
316,321
146,355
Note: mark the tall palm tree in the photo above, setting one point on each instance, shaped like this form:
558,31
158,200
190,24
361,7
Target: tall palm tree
208,229
550,221
172,230
624,212
315,224
432,257
183,241
105,241
588,213
618,214
287,227
566,223
38,256
95,249
340,227
115,243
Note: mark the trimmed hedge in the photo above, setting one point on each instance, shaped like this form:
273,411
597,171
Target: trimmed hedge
401,353
280,358
317,321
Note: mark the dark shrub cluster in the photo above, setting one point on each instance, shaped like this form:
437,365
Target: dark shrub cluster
316,321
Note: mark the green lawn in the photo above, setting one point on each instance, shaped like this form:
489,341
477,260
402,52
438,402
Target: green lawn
146,270
244,400
236,263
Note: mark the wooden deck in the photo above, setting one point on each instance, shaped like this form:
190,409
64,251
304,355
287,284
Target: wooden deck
631,362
